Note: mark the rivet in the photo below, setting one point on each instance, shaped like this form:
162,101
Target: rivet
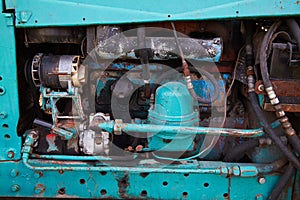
38,174
3,115
10,154
261,180
2,90
15,188
14,173
259,197
39,188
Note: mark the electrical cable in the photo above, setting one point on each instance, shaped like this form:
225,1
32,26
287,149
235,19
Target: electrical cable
188,79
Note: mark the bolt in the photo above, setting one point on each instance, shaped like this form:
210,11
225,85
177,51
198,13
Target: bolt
3,115
261,180
15,188
261,87
39,188
14,173
10,154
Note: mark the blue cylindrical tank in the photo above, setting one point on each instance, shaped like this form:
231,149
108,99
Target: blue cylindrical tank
173,106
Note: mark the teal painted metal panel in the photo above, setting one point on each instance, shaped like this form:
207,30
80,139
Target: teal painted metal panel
85,12
9,4
10,143
17,180
254,189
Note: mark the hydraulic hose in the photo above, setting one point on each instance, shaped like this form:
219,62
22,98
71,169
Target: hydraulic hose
287,126
268,129
251,91
277,190
295,29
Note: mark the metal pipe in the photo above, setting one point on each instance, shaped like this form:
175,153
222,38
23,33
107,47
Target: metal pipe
85,158
70,158
42,123
244,170
118,126
59,131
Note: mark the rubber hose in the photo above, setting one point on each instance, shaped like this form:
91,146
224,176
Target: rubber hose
234,154
263,54
295,29
293,139
268,129
277,190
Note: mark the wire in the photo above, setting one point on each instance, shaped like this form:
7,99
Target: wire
187,76
212,143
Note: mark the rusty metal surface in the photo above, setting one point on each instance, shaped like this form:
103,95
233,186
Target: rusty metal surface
285,107
290,88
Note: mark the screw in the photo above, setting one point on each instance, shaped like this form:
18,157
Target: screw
15,188
10,154
261,180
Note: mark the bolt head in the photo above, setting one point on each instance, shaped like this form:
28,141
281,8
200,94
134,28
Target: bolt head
39,188
261,180
10,154
15,188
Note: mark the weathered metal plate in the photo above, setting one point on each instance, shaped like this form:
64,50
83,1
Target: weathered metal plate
36,13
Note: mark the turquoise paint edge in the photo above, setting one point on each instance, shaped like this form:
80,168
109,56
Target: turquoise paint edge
10,147
41,13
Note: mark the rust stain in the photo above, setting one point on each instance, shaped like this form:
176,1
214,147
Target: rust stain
297,2
285,107
144,174
289,88
123,183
